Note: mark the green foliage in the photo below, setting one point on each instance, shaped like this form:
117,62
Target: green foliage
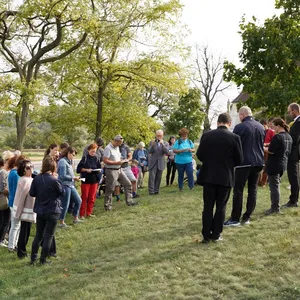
188,115
270,55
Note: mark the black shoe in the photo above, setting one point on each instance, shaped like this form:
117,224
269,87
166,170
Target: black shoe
136,196
272,211
205,241
290,204
32,262
52,255
156,193
45,262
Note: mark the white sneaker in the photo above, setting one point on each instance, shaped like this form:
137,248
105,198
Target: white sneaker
2,244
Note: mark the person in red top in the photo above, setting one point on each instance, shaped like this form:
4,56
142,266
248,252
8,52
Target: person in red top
263,178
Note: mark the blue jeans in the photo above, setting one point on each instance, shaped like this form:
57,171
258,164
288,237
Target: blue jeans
70,193
188,168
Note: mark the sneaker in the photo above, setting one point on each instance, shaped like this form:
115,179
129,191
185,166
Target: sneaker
230,223
63,226
271,211
289,204
245,222
219,239
76,221
91,216
12,250
2,244
136,196
82,218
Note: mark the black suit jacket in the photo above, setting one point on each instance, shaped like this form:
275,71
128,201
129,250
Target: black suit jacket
220,151
295,134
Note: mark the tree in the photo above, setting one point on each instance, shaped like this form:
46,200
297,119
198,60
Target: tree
270,56
209,81
188,115
32,36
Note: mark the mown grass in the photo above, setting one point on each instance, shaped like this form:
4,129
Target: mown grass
150,252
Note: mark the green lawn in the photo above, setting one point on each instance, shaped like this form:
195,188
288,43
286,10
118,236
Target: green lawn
151,252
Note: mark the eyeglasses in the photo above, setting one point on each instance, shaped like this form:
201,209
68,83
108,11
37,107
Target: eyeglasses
29,167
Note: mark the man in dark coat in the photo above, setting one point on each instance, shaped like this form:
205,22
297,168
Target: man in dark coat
294,156
220,151
252,135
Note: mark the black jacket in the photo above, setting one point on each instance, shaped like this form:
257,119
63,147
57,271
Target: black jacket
295,134
252,135
220,151
89,162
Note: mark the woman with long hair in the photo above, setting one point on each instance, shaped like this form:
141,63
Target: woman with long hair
171,166
52,151
278,151
47,191
23,206
89,168
67,177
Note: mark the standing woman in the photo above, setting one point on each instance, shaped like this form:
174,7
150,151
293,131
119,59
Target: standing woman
141,155
278,151
171,166
53,152
5,212
46,189
183,148
89,187
23,206
13,179
66,176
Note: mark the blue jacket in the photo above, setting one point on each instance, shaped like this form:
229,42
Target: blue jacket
252,135
65,172
12,179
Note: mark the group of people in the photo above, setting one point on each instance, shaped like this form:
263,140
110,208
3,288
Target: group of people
234,159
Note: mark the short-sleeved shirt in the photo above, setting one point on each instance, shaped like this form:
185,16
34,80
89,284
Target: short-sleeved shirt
280,146
183,157
113,154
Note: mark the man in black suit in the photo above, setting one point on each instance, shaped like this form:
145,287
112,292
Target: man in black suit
293,160
220,151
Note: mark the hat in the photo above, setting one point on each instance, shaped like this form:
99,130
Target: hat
118,138
99,141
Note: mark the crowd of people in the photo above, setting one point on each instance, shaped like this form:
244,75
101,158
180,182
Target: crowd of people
252,154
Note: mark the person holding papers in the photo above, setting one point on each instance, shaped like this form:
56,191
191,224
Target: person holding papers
90,171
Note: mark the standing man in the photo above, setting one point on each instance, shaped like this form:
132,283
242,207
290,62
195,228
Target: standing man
113,172
293,160
156,161
252,136
220,151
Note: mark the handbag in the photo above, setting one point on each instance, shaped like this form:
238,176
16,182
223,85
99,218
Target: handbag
145,169
3,202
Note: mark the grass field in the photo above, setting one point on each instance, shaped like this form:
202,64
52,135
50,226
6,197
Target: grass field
151,252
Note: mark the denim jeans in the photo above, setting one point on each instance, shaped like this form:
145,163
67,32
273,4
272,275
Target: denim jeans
45,228
188,168
70,193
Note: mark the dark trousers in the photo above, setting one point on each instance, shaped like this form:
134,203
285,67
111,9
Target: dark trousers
274,185
45,228
52,250
293,175
171,170
242,176
212,223
23,238
4,223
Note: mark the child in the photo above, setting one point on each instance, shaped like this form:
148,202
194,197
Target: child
134,168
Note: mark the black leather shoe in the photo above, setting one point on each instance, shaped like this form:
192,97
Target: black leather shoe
272,211
205,241
45,262
290,204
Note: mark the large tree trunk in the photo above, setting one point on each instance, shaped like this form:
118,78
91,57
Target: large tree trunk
99,111
206,124
21,122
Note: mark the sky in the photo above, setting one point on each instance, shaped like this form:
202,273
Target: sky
216,23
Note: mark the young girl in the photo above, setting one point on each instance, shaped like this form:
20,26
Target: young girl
134,168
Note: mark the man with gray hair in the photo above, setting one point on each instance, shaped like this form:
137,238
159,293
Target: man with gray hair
252,136
156,161
114,173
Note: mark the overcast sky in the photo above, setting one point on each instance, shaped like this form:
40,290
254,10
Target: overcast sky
216,23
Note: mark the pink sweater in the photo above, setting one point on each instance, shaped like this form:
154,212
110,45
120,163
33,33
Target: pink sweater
23,202
135,171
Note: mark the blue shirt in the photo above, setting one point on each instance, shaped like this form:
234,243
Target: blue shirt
183,157
12,179
65,172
